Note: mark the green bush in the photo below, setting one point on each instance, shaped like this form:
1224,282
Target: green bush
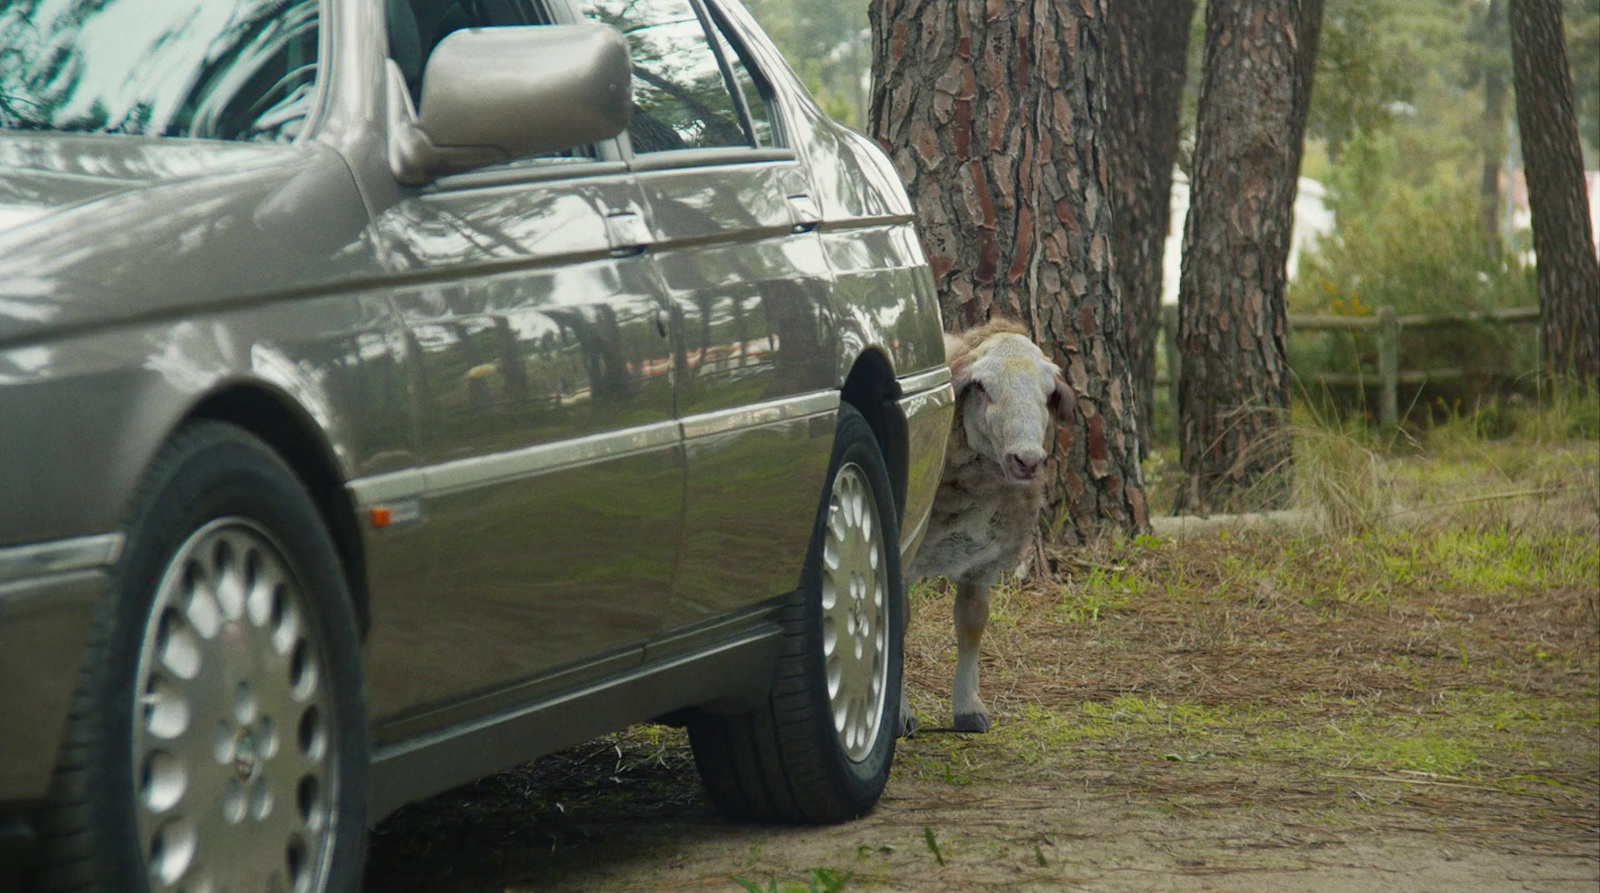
1420,250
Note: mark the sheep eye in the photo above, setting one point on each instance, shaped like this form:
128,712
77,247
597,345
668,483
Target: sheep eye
977,387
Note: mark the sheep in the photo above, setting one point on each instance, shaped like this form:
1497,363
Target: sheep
986,508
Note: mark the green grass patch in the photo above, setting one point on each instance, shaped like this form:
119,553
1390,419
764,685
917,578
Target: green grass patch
818,880
1102,590
1373,567
1482,735
1515,561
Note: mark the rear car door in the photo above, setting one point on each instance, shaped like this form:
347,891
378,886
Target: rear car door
552,466
732,237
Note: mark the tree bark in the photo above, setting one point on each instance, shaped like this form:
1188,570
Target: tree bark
1147,52
1233,398
992,112
1568,271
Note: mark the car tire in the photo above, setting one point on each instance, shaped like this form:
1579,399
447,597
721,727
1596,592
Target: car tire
819,749
218,734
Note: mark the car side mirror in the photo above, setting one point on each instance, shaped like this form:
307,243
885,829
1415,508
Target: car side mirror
492,95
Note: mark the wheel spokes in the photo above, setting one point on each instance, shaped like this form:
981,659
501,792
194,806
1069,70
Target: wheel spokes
855,612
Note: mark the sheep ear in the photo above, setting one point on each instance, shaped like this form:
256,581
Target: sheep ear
1061,400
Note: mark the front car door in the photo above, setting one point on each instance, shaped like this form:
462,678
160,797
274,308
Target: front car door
552,474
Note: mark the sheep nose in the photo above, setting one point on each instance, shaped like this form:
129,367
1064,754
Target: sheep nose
1023,466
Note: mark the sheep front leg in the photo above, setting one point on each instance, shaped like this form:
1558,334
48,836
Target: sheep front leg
972,614
908,716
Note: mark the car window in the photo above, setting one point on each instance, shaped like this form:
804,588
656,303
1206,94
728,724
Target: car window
416,26
214,69
680,98
750,88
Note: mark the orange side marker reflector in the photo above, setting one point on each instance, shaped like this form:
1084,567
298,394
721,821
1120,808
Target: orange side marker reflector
381,516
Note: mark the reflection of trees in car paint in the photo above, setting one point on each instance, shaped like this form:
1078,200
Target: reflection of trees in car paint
532,338
526,351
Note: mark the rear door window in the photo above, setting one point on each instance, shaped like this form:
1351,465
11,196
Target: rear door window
681,93
751,89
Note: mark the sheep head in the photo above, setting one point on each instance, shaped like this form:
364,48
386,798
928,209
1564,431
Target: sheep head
1009,394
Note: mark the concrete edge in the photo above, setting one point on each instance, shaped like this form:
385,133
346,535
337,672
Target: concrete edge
1182,527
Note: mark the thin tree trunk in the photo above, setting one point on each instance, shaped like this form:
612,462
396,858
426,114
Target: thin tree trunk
1146,60
992,112
1494,125
1568,270
1233,398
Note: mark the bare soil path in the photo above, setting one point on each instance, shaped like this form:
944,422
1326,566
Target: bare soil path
1378,713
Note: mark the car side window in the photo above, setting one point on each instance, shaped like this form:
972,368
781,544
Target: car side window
681,99
415,27
751,90
211,69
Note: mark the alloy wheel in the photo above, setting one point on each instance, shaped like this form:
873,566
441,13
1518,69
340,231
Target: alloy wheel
234,748
855,612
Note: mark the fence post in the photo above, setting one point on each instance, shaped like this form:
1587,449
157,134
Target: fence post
1169,344
1389,368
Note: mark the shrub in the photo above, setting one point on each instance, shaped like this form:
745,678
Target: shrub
1420,250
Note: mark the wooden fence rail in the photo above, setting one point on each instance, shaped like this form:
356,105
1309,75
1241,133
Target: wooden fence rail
1387,325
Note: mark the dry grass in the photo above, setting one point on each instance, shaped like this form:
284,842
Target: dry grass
1227,647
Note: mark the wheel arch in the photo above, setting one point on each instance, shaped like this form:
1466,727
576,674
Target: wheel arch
871,388
295,438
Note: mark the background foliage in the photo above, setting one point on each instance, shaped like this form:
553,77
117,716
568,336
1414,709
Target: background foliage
1398,134
827,43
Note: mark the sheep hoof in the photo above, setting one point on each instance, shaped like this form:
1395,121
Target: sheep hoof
908,726
972,722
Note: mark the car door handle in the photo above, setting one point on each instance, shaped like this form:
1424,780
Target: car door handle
804,213
627,233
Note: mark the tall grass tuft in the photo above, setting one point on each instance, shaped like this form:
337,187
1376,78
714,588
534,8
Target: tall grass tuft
1334,476
1338,479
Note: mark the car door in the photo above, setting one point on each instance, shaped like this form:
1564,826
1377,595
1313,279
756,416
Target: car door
731,226
552,464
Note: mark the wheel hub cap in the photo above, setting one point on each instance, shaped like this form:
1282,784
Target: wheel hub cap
855,612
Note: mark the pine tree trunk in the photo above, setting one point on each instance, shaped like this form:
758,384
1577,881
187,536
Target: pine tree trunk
1233,398
1147,52
1568,271
992,111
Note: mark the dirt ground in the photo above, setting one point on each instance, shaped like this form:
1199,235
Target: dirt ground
1359,714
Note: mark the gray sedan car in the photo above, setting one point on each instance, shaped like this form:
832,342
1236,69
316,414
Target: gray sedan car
392,392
